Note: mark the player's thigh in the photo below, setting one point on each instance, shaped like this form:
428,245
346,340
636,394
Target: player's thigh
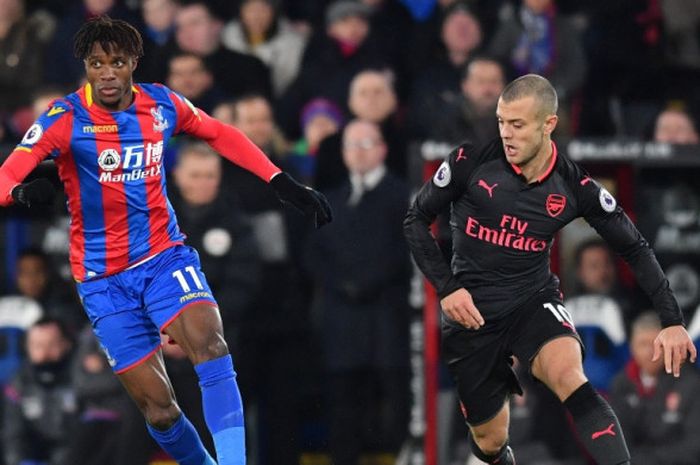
199,332
180,303
148,384
125,333
481,368
559,366
493,433
546,341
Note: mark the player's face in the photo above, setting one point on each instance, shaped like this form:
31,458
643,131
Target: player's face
371,97
45,343
110,75
642,348
483,84
363,147
254,117
198,178
523,131
597,270
32,276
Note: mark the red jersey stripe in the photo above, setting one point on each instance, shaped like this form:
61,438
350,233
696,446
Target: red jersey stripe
113,197
158,212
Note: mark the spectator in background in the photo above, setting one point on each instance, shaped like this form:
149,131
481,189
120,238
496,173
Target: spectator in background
332,58
60,66
17,314
262,32
624,45
320,118
596,273
276,333
372,98
600,310
439,83
199,32
535,38
22,44
158,39
189,76
472,116
101,403
227,248
43,97
36,280
40,404
252,114
361,273
392,29
659,413
681,42
675,126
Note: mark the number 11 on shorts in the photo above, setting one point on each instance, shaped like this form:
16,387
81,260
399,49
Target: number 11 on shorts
180,276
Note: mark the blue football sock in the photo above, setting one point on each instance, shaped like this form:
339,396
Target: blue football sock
223,409
182,442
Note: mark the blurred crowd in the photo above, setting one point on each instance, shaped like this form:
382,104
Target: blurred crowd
358,98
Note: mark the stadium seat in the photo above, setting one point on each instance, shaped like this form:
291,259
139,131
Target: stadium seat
17,313
599,323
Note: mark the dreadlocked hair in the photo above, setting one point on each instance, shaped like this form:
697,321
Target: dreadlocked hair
110,34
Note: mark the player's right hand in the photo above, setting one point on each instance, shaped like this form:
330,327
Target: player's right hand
460,307
677,347
40,191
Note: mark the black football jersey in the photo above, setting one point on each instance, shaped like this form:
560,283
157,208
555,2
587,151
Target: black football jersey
503,228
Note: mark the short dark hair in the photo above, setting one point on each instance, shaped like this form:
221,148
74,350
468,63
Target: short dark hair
244,98
481,58
533,85
60,325
181,54
109,33
35,252
593,243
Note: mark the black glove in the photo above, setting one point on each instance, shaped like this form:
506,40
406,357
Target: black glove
302,197
38,192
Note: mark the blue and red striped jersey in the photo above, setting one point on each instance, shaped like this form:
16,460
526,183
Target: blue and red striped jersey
111,164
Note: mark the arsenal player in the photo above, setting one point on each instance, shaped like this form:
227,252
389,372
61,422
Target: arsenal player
500,298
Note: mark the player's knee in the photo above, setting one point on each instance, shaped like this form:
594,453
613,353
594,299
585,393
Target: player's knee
490,442
565,381
213,347
162,417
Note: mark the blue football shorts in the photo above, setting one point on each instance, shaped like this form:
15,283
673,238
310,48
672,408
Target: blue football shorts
129,310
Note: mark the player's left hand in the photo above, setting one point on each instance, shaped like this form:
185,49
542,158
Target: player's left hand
675,343
38,192
305,199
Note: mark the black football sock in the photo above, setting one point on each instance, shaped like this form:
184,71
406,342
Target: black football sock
502,457
597,426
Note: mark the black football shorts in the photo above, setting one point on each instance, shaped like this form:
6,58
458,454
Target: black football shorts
480,360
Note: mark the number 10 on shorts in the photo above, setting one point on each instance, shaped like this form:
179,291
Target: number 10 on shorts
561,314
180,276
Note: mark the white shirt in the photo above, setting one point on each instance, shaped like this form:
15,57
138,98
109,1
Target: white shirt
362,183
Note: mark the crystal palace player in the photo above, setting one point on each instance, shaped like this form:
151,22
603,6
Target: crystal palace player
135,276
500,298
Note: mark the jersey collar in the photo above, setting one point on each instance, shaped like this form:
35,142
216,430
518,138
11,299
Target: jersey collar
549,169
87,95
